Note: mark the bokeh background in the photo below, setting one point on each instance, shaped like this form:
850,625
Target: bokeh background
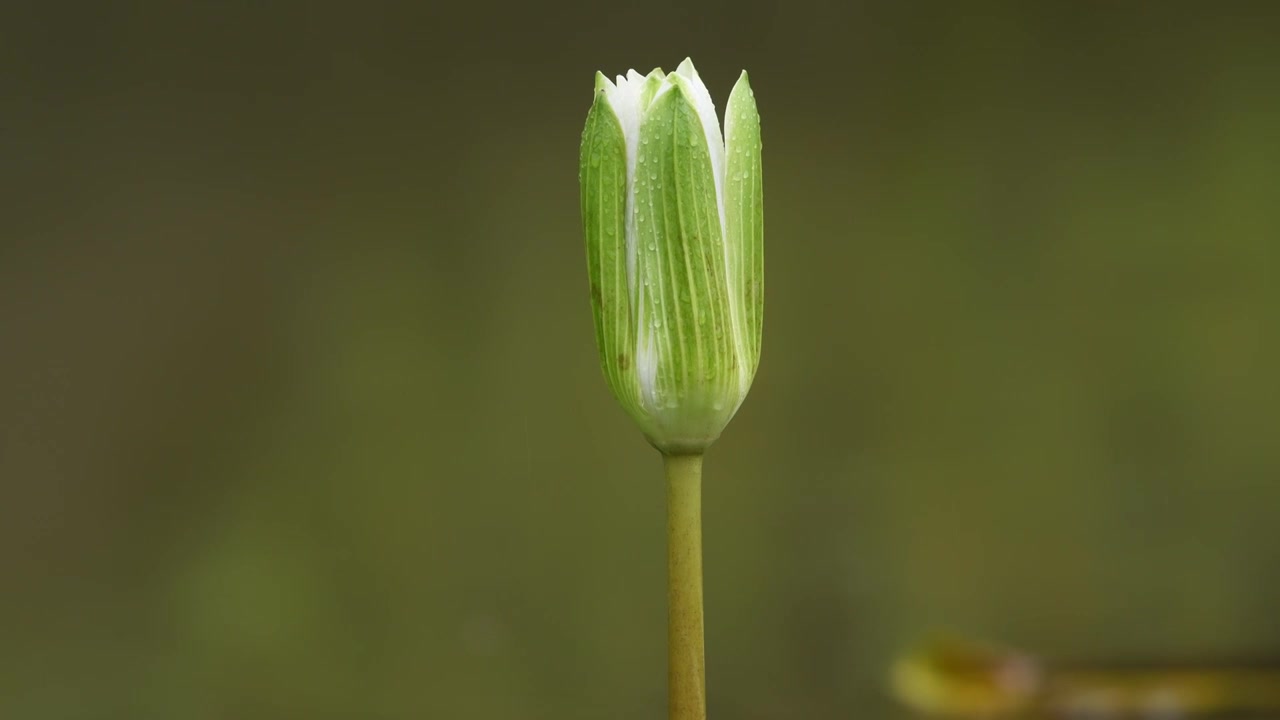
300,413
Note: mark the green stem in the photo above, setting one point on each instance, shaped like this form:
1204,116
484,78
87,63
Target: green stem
686,676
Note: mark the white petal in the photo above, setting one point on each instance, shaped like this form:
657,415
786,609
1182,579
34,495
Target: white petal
625,98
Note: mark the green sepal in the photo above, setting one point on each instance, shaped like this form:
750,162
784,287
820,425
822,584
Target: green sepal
744,214
603,183
685,310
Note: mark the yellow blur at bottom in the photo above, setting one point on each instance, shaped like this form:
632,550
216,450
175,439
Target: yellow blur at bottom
973,680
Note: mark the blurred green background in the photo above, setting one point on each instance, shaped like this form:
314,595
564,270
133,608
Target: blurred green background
301,417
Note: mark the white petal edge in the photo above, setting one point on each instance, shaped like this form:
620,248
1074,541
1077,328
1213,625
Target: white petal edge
624,98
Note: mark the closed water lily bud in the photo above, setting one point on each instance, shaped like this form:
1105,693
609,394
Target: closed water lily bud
673,217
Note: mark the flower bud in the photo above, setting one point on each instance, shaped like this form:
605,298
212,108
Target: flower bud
673,218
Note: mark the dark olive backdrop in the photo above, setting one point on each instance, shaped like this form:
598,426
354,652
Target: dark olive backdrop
300,414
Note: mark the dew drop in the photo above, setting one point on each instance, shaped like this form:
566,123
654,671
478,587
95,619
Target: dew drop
653,176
